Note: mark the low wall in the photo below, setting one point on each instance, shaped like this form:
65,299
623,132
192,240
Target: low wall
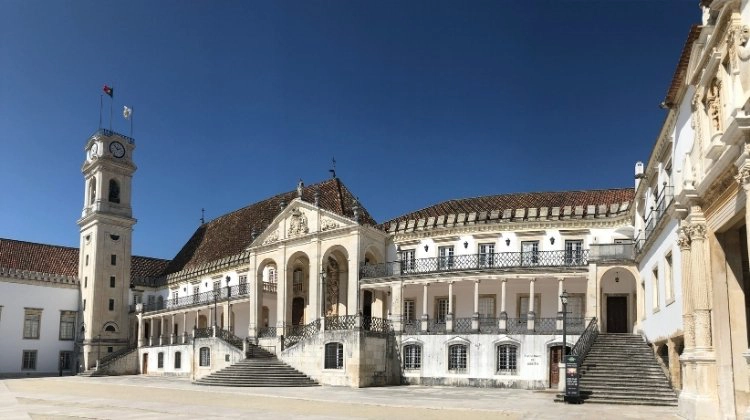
126,364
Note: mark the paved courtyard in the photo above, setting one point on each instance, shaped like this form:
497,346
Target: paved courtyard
138,397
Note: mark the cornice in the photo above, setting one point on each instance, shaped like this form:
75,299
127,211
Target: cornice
36,278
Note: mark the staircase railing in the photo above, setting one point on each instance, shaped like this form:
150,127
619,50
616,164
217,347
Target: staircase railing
583,345
112,357
296,333
229,338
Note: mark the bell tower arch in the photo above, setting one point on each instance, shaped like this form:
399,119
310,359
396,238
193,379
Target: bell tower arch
106,227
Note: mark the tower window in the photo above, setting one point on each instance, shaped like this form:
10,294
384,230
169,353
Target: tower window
111,304
114,191
112,281
87,259
113,259
85,282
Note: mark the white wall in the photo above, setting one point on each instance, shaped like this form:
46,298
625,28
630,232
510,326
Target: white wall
14,297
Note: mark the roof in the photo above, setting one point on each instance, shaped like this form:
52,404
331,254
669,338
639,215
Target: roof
679,77
499,206
232,233
63,260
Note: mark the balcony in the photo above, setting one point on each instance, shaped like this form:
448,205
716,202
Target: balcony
655,215
477,262
612,252
205,298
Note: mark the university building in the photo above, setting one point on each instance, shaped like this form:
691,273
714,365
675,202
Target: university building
482,291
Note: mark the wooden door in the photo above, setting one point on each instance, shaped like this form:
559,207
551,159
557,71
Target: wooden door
298,311
144,369
617,314
366,309
555,353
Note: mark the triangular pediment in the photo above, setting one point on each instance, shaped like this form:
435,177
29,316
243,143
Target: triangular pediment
300,219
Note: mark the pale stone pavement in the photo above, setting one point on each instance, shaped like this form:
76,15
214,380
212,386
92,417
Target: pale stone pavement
139,397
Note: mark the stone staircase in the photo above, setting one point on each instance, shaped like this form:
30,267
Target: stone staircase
260,369
622,369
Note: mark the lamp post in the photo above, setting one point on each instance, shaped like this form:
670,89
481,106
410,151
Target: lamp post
564,300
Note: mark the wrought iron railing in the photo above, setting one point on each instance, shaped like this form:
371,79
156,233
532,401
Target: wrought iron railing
435,326
516,325
658,211
345,322
587,338
203,332
545,326
269,287
489,326
501,260
293,334
376,325
265,332
229,338
412,326
204,298
462,325
111,357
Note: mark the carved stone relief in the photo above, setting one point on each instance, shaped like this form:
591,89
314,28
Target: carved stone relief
272,237
742,51
298,223
328,224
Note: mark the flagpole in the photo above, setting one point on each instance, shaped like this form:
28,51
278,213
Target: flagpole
101,105
111,99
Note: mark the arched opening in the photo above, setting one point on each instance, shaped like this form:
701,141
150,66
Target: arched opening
335,288
114,191
298,311
110,328
618,300
202,321
298,289
92,190
267,278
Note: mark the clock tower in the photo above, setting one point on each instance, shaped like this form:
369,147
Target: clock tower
106,227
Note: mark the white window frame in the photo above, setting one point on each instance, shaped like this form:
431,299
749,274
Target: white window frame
458,358
486,254
506,364
529,253
67,325
573,251
408,260
446,257
412,356
32,323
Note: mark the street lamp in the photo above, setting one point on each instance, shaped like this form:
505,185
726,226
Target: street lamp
564,300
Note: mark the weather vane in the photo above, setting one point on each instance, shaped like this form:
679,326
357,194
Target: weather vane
333,167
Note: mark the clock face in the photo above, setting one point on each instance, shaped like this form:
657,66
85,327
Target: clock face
117,149
93,151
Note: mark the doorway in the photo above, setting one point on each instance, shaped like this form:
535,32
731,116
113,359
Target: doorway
366,309
144,368
617,314
555,354
298,311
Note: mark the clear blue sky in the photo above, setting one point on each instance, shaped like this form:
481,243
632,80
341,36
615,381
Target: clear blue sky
234,101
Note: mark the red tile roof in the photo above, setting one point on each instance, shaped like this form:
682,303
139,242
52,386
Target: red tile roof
502,202
232,233
62,260
680,73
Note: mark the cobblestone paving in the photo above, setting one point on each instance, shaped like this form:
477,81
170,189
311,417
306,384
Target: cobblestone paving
139,397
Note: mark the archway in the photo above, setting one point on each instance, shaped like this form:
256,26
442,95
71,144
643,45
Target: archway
335,289
618,300
297,289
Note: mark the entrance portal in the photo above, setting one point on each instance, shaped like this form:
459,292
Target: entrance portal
617,314
555,354
298,311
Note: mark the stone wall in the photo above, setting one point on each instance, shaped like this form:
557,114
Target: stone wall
126,364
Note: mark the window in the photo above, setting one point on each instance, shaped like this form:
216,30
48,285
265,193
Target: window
111,304
243,284
529,252
668,280
29,360
655,294
334,357
506,359
408,262
272,277
196,292
110,349
297,280
178,360
67,325
523,306
85,282
574,252
441,309
217,285
576,309
486,307
66,360
457,358
412,357
174,296
110,328
111,281
114,191
410,311
205,356
31,321
87,260
445,260
113,259
486,255
84,304
160,360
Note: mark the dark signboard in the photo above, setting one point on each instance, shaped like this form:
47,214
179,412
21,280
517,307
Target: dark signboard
572,389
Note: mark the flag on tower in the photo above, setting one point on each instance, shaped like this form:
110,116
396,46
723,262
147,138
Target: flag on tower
109,91
127,112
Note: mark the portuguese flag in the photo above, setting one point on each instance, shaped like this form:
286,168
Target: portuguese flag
108,90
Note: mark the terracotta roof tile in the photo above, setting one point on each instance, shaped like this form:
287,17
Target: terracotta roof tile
231,233
680,73
507,204
62,260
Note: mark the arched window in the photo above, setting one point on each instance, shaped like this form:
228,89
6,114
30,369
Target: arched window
92,190
334,358
177,360
507,356
110,328
412,357
205,356
160,360
457,356
114,191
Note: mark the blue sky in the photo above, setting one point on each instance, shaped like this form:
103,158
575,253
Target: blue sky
234,101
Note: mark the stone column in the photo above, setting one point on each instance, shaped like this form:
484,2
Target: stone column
425,317
397,306
172,336
449,315
254,305
475,315
353,300
315,282
281,294
503,322
140,330
227,315
184,328
683,240
531,314
161,330
151,331
701,287
560,288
